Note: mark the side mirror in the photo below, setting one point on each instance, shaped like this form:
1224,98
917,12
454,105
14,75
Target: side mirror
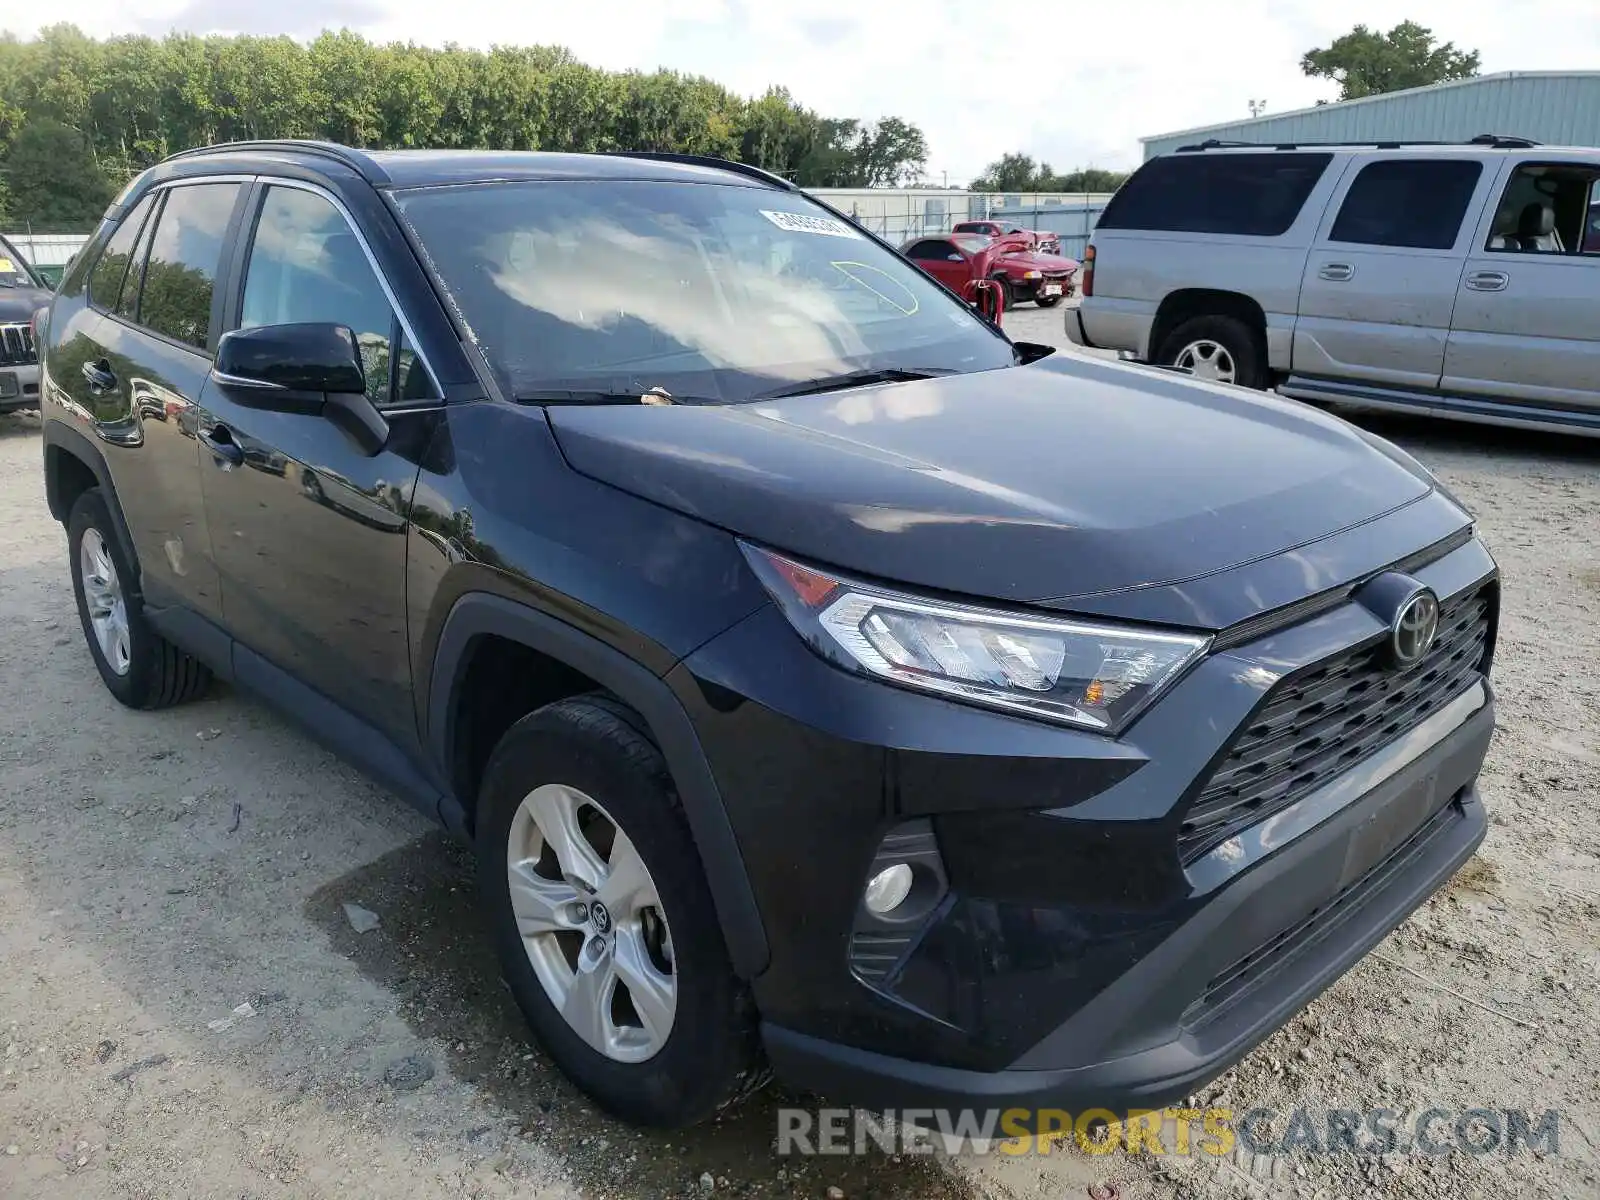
311,369
291,358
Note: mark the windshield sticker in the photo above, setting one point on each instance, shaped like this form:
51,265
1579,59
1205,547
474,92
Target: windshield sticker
6,268
806,223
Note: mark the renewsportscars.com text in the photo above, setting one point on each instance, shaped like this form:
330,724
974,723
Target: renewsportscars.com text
1176,1131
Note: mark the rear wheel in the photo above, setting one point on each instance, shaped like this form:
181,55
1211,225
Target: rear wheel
139,666
1218,349
603,920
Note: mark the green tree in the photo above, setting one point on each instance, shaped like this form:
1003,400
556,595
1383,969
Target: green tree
107,109
1009,173
889,153
1365,62
52,179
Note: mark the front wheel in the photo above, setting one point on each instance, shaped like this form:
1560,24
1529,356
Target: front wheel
1218,349
603,920
1008,293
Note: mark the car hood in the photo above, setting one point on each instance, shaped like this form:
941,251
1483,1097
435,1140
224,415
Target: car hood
1066,478
19,304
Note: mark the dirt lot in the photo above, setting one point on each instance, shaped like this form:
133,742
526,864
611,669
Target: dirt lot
186,1011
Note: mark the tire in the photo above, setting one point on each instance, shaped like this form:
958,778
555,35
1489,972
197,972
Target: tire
1047,301
590,758
149,672
1237,353
1008,294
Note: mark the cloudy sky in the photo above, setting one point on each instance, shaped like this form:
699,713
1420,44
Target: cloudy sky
1074,84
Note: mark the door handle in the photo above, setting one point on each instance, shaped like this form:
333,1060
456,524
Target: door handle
1488,281
219,440
100,377
1336,272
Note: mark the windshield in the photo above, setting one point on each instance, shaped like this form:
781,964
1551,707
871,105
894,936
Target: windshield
14,271
710,292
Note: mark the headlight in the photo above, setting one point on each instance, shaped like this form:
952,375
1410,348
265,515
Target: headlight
1032,274
1088,675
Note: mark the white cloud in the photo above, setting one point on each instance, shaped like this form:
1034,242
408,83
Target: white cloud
1073,84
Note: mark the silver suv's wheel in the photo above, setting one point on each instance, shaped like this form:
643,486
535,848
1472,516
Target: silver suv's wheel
591,922
1219,349
1206,359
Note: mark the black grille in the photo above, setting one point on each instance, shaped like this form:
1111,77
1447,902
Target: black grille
16,346
1325,719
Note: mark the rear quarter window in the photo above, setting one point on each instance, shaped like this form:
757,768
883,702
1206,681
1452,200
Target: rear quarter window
1257,195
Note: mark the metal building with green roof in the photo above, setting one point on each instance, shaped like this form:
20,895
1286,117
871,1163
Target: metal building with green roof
1558,108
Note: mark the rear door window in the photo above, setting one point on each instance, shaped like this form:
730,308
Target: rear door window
128,303
180,276
105,280
1257,194
934,250
1415,203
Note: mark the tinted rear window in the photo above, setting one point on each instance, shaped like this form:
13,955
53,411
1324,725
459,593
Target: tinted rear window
1255,194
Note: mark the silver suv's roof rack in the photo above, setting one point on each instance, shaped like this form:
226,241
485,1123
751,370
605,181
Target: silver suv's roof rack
1494,141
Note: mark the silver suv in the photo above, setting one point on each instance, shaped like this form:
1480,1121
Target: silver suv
1461,280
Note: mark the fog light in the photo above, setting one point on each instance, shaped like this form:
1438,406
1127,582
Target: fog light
888,889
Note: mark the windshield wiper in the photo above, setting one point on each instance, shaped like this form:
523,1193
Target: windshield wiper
834,383
655,395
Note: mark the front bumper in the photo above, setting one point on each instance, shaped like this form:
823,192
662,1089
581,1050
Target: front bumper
19,387
1263,948
1073,950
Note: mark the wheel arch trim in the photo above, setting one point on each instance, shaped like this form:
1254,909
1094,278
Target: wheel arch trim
59,439
479,613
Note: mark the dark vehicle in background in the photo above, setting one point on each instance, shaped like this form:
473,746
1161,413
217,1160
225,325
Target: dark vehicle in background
22,294
957,259
827,684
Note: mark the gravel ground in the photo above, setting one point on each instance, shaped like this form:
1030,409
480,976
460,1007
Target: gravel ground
186,1010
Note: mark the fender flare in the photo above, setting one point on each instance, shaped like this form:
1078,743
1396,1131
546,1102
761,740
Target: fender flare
63,439
477,613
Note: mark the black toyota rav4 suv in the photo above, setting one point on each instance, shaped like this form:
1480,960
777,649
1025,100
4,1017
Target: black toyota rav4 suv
827,683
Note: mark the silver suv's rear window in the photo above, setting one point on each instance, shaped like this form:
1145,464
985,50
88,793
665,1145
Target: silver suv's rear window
1254,194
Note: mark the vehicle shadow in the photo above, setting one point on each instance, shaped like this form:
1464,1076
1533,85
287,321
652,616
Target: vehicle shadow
1432,434
201,855
432,952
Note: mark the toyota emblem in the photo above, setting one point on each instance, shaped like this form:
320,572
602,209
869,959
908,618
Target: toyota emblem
1411,635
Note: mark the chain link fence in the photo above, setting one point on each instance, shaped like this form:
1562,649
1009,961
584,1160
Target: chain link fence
898,214
893,214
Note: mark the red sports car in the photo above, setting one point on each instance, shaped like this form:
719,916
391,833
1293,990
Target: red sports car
1036,239
954,259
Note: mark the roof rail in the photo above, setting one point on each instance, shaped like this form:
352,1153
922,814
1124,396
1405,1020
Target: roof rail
356,160
708,160
1495,141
